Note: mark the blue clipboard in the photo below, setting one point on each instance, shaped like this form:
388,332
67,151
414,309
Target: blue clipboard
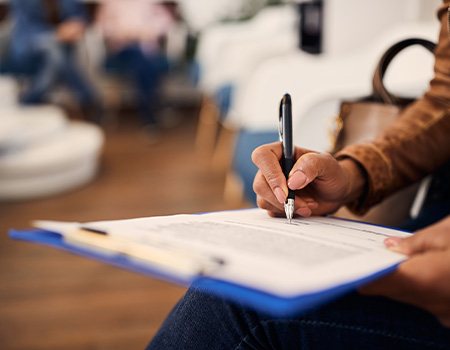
261,301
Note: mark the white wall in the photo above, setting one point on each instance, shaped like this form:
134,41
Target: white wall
351,23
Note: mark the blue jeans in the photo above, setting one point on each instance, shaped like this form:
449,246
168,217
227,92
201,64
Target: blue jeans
201,321
56,63
146,71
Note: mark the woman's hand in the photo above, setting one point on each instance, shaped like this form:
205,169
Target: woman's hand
322,184
424,279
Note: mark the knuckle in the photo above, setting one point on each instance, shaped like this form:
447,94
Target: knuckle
315,164
275,214
310,160
441,240
258,153
262,203
258,185
274,180
255,155
327,157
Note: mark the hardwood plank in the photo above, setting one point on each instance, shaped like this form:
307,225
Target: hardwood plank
54,300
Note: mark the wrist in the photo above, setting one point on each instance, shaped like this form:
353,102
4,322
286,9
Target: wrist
356,179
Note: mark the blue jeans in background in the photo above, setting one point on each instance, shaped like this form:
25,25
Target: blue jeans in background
52,63
146,71
204,322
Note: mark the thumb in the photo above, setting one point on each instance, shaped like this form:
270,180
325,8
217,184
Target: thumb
311,166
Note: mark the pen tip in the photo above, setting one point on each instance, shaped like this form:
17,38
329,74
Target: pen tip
289,209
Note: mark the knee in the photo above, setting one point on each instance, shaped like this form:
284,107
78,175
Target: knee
195,299
53,54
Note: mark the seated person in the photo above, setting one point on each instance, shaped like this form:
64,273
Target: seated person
408,309
43,44
133,31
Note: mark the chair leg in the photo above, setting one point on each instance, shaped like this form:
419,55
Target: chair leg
233,193
207,128
112,98
224,150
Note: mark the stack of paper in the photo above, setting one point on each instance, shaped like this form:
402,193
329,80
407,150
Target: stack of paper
245,255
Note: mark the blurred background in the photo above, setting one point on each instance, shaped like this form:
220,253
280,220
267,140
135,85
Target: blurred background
114,109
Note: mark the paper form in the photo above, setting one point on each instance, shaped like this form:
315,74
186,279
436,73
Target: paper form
266,253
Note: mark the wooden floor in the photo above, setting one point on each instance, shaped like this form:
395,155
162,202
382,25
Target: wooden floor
54,300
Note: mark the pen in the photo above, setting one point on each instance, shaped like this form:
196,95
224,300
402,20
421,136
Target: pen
287,160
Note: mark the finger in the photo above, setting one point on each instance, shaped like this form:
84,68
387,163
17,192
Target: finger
304,212
263,190
267,159
265,195
433,238
323,208
318,207
266,205
302,201
311,166
304,204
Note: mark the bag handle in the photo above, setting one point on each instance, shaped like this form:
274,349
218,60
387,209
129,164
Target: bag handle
379,90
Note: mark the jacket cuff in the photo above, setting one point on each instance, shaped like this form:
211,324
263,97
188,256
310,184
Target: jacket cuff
378,171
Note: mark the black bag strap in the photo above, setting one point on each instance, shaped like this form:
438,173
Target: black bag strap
379,90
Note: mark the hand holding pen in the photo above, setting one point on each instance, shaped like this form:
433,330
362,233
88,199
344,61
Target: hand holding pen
320,184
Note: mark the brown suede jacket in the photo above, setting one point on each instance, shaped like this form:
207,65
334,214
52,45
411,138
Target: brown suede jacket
418,142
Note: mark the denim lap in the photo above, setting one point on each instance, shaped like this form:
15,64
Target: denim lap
202,321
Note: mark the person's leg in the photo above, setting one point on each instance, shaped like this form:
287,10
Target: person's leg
147,77
131,62
51,58
75,79
85,93
201,321
146,72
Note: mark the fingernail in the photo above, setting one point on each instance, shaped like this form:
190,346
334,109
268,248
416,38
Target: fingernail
297,180
279,193
392,243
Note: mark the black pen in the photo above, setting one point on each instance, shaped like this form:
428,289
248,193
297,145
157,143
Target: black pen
287,160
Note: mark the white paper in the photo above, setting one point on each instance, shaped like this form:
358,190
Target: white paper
266,253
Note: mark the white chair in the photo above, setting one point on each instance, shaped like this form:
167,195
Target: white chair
24,126
227,56
9,91
64,161
201,14
346,76
229,52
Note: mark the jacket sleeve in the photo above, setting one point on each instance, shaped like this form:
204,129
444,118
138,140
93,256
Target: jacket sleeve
417,143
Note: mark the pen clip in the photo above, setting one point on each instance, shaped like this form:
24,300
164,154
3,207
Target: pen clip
280,122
